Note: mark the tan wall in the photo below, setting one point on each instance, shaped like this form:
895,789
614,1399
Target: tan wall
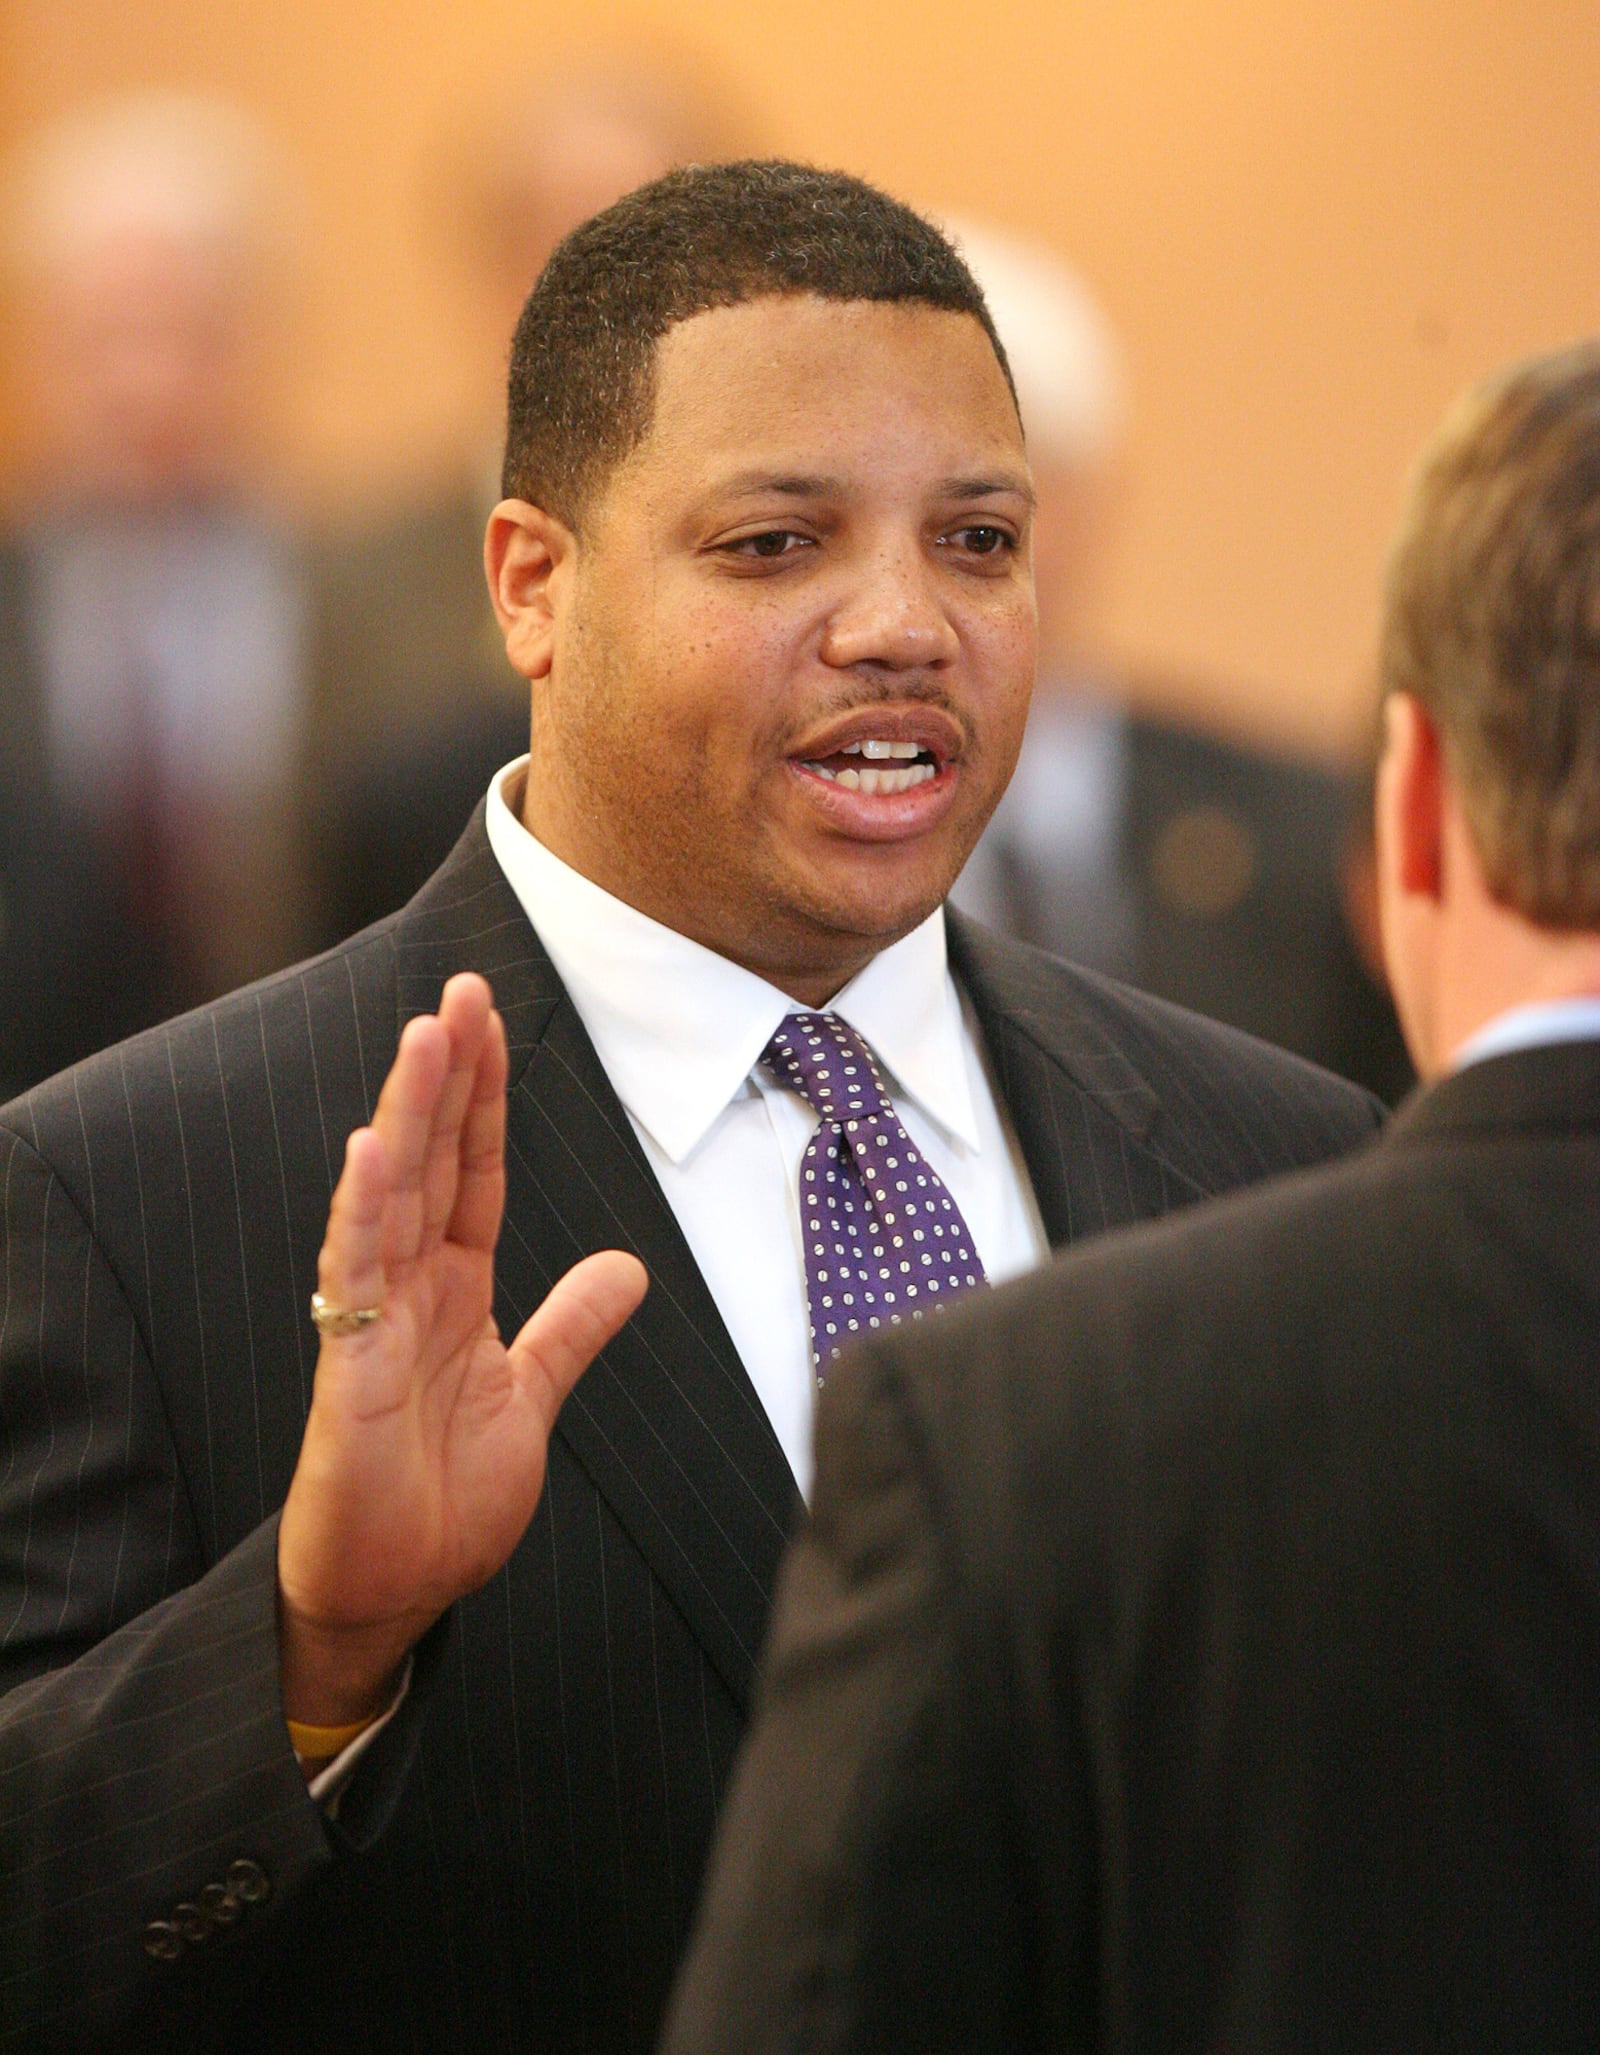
1313,220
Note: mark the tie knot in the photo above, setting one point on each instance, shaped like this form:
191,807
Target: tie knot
823,1059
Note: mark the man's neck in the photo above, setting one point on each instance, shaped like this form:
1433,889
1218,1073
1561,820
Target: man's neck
1550,968
802,975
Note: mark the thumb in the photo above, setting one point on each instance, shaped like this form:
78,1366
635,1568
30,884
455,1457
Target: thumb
580,1315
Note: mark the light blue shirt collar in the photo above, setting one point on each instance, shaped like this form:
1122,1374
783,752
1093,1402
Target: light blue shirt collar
1532,1027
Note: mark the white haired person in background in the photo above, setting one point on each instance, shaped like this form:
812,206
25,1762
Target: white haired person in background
150,607
1130,839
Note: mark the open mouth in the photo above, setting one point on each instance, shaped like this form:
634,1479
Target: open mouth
875,766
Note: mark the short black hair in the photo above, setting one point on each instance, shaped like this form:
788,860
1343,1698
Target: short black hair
581,390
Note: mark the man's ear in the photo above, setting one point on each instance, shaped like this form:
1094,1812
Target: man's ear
1411,797
528,557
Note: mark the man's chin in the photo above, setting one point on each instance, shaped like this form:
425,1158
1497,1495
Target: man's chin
884,889
862,916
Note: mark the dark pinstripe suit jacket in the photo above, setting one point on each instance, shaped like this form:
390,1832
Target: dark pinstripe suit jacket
516,1865
1196,1647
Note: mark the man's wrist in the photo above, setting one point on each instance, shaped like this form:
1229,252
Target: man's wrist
334,1678
327,1770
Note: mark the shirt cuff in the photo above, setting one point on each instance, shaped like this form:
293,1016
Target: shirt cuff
327,1785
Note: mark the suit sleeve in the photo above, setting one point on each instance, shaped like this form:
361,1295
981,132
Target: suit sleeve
860,1894
144,1762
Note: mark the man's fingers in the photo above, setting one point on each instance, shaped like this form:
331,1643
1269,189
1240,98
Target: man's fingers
434,1122
406,1106
350,1269
421,1107
480,1193
580,1316
466,1012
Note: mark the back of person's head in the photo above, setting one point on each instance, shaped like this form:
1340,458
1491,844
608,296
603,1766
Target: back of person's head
581,389
1493,626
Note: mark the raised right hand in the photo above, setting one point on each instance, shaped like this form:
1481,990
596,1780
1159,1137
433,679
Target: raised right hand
424,1452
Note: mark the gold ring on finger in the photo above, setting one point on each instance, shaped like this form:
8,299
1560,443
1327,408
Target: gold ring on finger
328,1318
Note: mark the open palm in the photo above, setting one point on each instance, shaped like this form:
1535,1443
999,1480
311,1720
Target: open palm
424,1452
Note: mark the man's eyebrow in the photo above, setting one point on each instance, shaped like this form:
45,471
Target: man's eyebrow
804,485
986,488
790,484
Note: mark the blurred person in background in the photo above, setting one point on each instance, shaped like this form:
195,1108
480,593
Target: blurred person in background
1129,841
417,704
150,604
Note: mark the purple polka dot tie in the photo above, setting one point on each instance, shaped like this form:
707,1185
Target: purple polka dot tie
884,1240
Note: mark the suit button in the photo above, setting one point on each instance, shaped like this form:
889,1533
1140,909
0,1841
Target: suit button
220,1903
193,1923
163,1941
247,1881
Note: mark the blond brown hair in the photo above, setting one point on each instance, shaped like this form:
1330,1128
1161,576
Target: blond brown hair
1492,622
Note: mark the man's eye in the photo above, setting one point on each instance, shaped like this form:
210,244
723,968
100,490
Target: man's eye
771,542
982,540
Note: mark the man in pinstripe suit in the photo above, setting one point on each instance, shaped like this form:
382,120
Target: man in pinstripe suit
763,558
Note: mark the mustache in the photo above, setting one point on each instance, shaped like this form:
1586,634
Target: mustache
864,697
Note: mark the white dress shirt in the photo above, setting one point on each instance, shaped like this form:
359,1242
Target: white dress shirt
679,1031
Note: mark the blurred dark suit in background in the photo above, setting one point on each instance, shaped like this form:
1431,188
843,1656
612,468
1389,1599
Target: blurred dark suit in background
1130,840
1196,869
151,683
68,983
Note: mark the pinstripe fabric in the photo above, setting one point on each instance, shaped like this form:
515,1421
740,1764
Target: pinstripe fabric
1198,1648
516,1865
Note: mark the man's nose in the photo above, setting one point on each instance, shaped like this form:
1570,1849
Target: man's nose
893,615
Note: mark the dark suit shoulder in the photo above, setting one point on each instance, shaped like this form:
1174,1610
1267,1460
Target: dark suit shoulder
1170,1039
1223,1278
1268,1533
283,1019
1219,1106
1404,1313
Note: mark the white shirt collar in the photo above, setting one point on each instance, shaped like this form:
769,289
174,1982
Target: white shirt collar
1532,1027
678,1028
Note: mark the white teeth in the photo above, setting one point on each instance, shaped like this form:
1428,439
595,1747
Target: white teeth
877,781
879,750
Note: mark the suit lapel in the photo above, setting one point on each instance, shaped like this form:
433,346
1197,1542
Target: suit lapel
1046,1052
666,1422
